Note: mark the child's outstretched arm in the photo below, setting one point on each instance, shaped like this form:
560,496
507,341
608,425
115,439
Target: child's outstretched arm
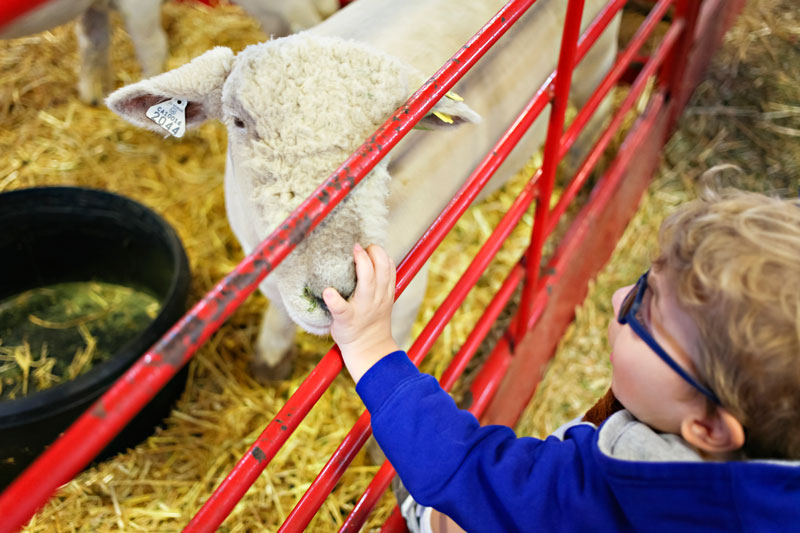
362,325
483,477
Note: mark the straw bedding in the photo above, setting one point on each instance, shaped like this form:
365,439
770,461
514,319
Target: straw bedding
49,137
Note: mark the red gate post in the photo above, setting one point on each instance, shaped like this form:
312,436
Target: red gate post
623,63
563,81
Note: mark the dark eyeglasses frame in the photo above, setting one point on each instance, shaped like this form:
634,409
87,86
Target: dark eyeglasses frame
627,315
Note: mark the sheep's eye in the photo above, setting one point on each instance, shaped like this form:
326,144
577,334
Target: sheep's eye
239,123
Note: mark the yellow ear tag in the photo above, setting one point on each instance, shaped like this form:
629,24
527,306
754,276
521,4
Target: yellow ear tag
443,117
453,96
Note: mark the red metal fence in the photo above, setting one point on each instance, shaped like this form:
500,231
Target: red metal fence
548,296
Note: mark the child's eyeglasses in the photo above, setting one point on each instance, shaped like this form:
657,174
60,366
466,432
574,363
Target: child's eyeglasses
627,315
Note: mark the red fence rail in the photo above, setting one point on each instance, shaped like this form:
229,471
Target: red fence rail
93,430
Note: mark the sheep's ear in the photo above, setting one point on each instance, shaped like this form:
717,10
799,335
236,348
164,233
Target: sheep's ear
449,111
198,82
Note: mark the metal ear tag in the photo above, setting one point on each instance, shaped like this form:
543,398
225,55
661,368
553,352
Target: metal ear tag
170,115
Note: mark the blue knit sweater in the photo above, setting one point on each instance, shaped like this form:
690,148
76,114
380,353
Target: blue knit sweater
487,479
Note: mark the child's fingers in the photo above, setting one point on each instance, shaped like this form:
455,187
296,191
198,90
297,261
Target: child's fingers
392,280
380,261
336,304
365,274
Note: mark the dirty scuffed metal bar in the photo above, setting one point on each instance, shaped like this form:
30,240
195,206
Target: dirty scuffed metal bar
11,9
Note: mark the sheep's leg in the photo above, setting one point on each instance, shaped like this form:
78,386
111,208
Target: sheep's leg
271,21
142,19
273,355
280,18
93,33
302,15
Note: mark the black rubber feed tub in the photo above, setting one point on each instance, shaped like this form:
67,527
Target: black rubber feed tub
54,235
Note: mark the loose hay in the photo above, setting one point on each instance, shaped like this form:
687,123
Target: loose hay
49,137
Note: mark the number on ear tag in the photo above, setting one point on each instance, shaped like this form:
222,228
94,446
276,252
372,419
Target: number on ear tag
170,115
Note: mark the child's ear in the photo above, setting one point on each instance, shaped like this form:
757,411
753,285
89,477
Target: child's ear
717,432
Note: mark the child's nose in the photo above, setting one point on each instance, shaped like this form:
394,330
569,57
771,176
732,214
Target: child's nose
618,296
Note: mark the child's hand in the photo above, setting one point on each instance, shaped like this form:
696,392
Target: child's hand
362,326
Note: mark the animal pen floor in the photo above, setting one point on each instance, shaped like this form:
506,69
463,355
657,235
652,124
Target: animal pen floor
745,114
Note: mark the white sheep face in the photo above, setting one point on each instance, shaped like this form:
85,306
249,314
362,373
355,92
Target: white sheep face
287,134
295,109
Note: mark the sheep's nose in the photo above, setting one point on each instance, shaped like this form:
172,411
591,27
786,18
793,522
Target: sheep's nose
316,299
319,301
346,294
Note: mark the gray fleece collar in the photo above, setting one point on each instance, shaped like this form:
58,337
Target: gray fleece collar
623,437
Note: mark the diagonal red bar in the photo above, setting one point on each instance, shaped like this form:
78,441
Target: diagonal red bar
358,516
313,498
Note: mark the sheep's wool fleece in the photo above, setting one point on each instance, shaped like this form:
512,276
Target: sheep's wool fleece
311,101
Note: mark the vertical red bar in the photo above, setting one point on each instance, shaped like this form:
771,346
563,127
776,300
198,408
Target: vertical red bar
674,74
566,64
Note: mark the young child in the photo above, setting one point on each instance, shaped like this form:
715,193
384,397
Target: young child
706,363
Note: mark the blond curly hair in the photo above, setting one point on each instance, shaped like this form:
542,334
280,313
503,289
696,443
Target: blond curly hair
734,260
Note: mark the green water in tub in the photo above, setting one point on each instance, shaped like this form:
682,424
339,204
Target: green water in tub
55,333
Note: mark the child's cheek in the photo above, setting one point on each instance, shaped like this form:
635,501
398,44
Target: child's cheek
613,331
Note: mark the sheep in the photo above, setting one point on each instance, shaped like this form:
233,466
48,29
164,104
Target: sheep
296,107
142,19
